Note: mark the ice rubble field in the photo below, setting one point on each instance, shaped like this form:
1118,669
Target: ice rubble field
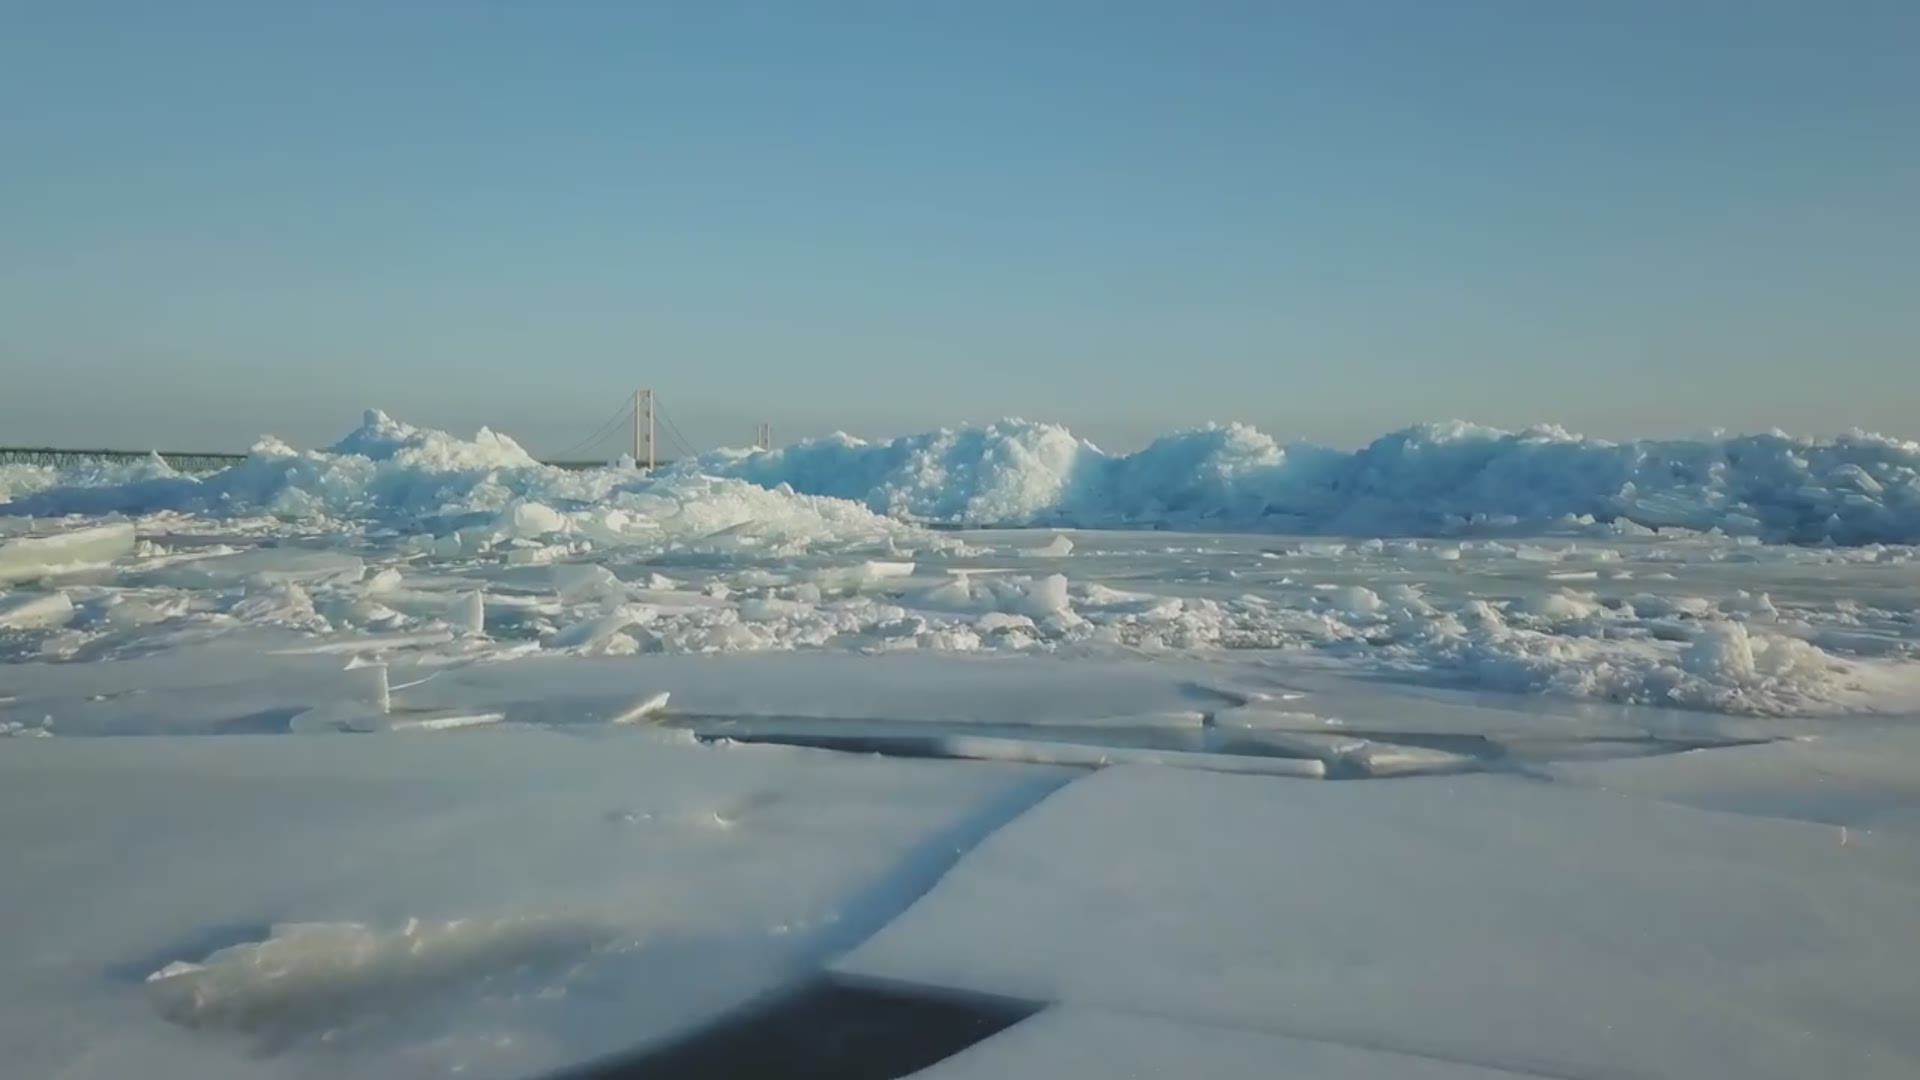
1469,754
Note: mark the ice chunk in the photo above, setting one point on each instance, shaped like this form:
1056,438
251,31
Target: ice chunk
581,582
1691,607
1397,759
1107,596
860,576
541,555
643,711
1746,603
364,704
443,721
469,613
589,635
305,976
1722,650
374,689
531,520
956,593
28,558
127,612
41,612
267,565
772,609
335,717
1059,547
1560,605
1355,600
282,602
1042,597
1730,653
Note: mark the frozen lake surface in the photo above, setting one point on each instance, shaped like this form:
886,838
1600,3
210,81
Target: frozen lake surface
413,758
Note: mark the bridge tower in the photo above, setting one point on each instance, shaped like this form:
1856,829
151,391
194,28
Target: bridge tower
643,427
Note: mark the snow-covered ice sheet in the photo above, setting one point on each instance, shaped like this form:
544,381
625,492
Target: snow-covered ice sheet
1489,920
1864,780
480,905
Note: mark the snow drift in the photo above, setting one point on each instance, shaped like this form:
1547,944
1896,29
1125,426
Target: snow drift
1425,480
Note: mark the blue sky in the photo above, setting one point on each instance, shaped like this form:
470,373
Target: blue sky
225,218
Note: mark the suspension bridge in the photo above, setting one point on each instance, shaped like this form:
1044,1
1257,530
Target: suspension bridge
634,430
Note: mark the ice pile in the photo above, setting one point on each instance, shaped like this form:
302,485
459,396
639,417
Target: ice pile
1735,654
19,481
1006,473
1434,479
1567,645
399,539
1425,480
473,492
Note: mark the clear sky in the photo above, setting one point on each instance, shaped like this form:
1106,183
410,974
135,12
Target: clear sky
225,218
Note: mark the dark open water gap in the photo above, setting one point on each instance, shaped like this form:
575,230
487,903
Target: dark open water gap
825,1029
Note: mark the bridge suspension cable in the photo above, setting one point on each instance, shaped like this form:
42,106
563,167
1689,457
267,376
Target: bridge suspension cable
684,447
619,420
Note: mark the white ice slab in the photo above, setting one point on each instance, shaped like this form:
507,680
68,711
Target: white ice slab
492,905
27,558
1485,919
269,565
36,611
